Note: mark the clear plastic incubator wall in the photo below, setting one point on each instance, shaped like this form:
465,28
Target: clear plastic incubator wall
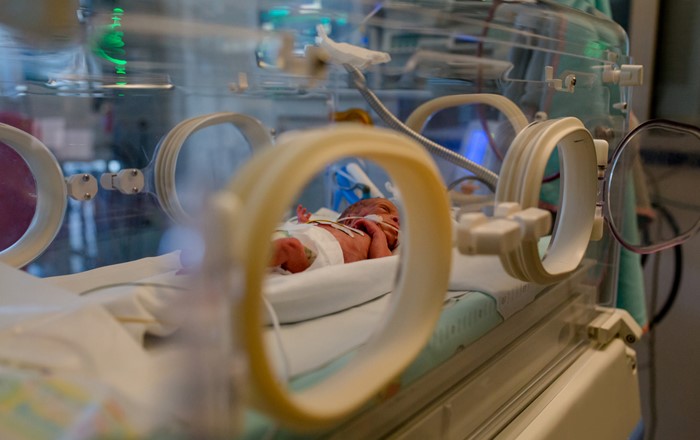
155,155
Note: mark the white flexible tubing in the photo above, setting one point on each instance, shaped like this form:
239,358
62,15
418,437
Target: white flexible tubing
51,197
359,175
524,168
166,158
416,120
263,190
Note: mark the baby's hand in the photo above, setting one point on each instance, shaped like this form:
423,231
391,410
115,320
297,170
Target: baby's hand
368,226
378,245
303,215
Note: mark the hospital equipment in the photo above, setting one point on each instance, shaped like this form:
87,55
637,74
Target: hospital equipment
420,344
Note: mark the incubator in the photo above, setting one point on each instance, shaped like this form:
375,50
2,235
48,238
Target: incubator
152,150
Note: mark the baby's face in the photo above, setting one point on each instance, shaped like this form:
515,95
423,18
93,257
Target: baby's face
389,214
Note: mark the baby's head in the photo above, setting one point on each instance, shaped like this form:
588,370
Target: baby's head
381,207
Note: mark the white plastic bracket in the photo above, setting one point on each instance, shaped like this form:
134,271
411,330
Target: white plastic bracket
598,224
613,323
601,153
502,233
129,181
565,85
626,75
82,187
534,222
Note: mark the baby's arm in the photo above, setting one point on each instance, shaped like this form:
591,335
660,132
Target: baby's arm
378,246
289,254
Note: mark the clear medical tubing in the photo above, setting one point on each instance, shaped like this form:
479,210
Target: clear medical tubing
483,173
242,219
51,197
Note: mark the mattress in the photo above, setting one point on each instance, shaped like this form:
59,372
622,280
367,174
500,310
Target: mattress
318,348
322,332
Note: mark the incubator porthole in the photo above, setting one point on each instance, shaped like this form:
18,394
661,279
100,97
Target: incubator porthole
18,199
254,203
661,208
50,200
208,159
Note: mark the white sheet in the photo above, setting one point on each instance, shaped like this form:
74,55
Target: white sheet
330,289
48,329
294,298
148,307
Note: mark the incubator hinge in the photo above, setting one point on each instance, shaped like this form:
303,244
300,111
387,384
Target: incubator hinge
129,181
82,187
565,85
613,323
601,151
625,75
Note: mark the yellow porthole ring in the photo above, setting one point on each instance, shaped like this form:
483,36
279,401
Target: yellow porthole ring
51,197
415,307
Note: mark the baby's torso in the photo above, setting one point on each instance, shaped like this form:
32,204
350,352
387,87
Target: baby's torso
355,248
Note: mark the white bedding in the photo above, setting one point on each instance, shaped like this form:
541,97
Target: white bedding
49,330
294,298
147,306
116,355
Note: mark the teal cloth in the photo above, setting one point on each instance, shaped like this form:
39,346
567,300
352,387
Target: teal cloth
590,6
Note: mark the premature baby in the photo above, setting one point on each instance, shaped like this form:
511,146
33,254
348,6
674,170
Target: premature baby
366,229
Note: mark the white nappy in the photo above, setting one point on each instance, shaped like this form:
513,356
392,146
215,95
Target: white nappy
320,242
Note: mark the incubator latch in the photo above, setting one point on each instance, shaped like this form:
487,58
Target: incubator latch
82,187
502,233
613,323
565,85
129,181
626,75
601,152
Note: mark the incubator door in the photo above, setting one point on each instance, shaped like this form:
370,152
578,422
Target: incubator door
660,158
